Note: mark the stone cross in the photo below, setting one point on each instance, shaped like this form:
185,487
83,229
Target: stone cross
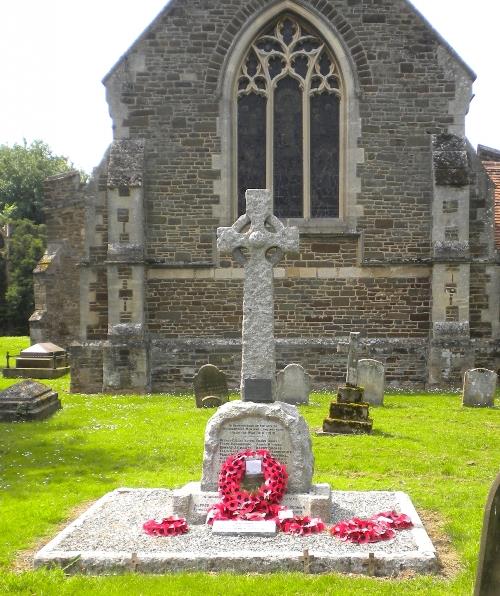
258,241
352,359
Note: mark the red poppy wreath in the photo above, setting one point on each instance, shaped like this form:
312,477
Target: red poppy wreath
238,503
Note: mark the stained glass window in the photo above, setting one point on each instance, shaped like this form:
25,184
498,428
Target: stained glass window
289,113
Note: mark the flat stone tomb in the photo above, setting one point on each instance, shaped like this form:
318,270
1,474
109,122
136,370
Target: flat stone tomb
89,546
479,388
28,400
41,361
210,387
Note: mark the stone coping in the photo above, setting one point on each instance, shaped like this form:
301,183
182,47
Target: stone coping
108,539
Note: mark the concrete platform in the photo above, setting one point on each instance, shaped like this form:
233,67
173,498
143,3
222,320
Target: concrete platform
108,539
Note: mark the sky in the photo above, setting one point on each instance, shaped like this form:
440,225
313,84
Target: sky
56,52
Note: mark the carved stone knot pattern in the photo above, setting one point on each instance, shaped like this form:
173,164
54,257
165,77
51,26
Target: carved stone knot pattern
288,48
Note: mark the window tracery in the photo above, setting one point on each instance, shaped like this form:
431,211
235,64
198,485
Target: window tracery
289,93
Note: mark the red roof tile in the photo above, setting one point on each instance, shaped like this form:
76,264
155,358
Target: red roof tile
493,170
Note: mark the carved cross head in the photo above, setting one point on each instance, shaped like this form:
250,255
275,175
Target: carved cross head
258,234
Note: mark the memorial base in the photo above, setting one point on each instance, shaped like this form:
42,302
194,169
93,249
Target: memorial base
193,503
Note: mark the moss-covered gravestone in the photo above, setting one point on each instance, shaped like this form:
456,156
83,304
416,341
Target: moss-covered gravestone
210,387
350,413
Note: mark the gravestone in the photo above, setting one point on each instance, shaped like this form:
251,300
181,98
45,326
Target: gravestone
28,401
293,385
488,571
479,388
41,361
258,241
210,387
371,376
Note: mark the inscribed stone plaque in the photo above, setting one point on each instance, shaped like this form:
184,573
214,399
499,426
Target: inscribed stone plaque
488,571
210,382
229,527
276,427
479,387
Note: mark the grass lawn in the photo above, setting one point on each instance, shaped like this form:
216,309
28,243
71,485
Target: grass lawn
444,456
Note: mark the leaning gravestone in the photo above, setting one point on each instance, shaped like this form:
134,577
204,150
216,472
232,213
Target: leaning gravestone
371,377
479,388
293,385
210,387
26,401
488,571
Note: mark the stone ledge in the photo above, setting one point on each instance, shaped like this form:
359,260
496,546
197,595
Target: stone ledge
88,546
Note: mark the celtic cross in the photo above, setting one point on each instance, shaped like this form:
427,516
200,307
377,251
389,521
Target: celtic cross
258,240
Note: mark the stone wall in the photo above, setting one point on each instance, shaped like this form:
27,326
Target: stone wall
411,263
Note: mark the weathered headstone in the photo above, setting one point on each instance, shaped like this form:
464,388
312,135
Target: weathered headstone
371,377
258,241
27,401
293,385
210,387
479,387
488,571
352,359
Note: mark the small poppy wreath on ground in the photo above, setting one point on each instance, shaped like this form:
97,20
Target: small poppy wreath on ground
169,526
237,503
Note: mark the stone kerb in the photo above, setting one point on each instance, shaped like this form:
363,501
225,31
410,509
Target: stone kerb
479,388
293,385
278,427
371,377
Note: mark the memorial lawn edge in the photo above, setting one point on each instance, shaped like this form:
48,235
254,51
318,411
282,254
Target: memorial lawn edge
443,455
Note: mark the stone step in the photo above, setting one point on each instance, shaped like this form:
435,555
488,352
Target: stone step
349,411
347,427
350,395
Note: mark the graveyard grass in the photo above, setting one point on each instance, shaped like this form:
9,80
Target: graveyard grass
444,456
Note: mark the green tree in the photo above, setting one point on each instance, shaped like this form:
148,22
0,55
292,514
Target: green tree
23,168
26,246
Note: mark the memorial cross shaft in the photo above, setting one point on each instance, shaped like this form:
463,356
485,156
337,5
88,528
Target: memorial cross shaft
352,359
258,240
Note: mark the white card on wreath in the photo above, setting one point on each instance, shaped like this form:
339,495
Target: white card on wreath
253,467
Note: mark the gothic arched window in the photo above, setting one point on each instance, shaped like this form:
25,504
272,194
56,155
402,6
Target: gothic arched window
289,112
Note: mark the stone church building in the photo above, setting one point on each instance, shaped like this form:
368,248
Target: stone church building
352,112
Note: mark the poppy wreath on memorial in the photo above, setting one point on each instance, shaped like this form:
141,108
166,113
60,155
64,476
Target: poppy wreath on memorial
238,503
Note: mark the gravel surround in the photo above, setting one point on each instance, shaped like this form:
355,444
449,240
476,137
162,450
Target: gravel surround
108,539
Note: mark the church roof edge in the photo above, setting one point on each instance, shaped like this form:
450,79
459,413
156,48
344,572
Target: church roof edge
170,4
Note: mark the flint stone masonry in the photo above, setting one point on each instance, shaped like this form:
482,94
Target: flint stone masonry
250,240
210,382
278,427
293,385
371,377
479,388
